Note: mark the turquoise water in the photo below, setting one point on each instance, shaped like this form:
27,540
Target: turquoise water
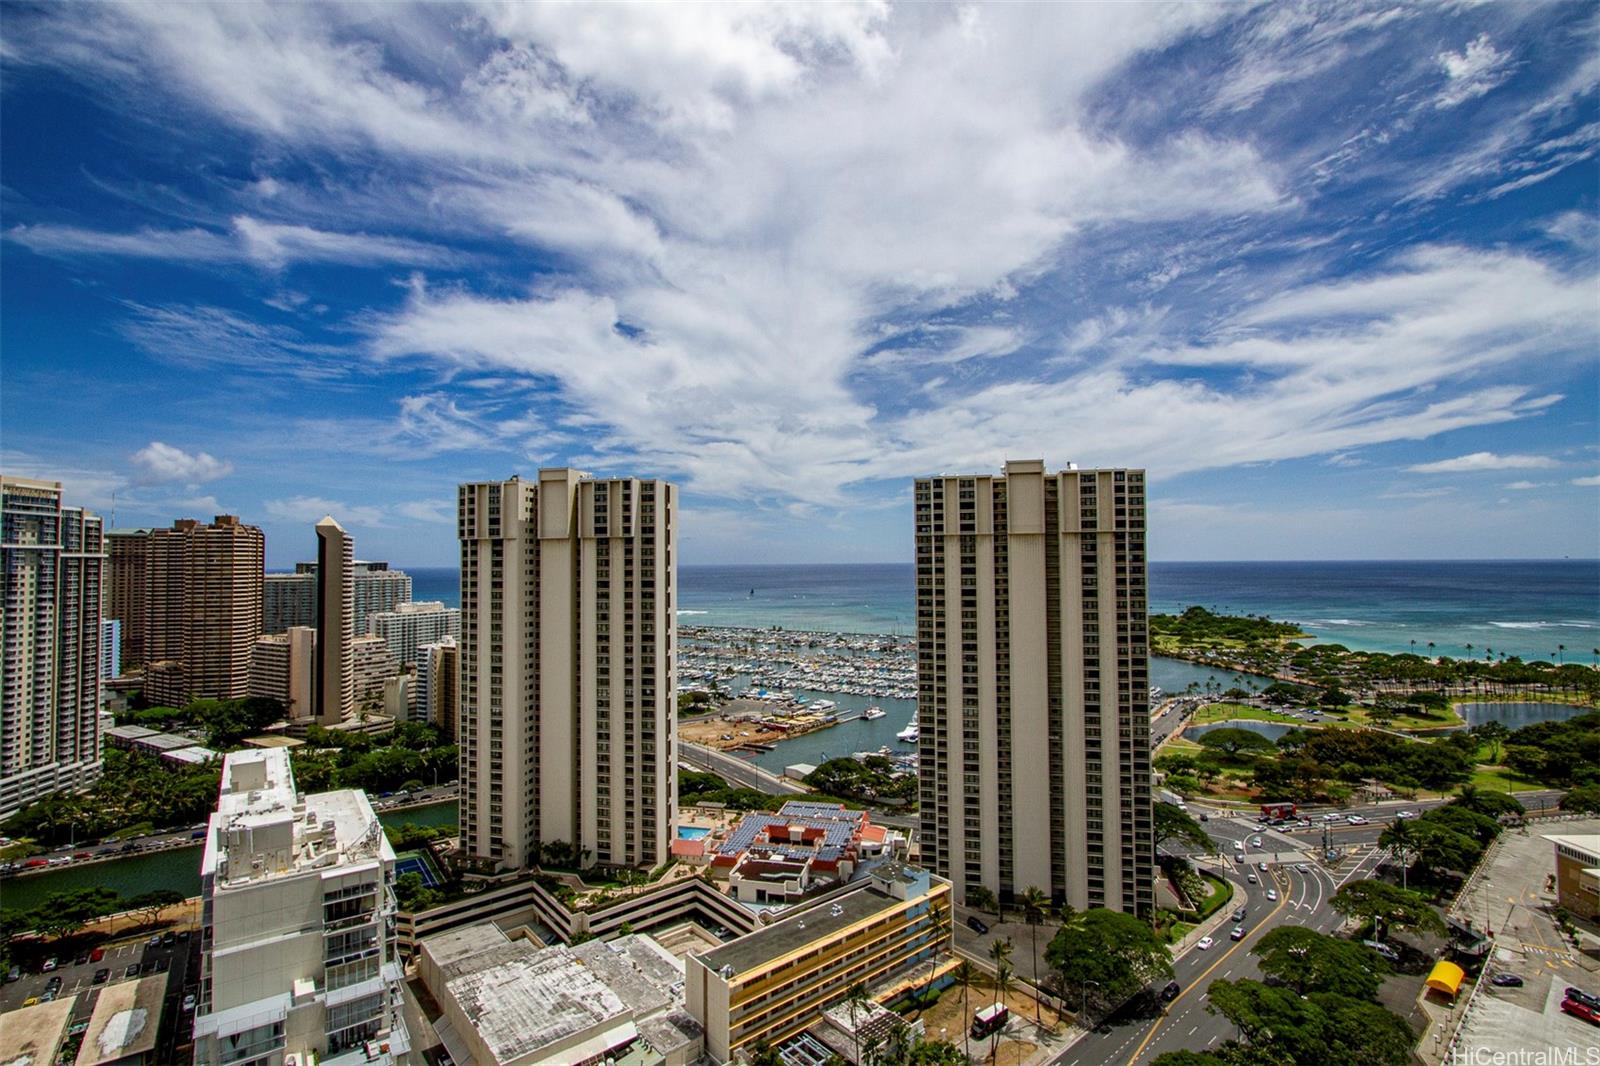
177,869
692,832
1538,609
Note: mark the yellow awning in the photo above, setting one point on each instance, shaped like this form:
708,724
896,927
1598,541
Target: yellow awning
1446,977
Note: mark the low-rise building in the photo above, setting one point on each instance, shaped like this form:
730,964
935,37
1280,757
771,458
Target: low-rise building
508,1001
298,938
125,1024
35,1034
168,747
1578,874
892,932
777,858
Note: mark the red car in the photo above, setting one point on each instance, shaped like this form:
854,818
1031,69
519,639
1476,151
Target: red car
1581,1010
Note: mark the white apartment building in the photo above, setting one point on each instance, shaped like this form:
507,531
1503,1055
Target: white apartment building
411,626
298,958
291,599
1033,684
435,694
281,668
568,645
52,566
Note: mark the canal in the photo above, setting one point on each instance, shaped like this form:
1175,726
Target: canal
177,869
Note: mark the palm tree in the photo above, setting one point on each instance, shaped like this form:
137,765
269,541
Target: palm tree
1002,985
1399,838
965,972
1033,904
857,999
1560,650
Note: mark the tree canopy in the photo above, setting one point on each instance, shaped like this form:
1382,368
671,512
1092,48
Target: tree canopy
1117,952
1173,823
1310,961
1234,741
1387,906
1323,1027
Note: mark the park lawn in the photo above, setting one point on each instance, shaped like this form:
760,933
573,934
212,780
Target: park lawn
1500,779
1182,744
1223,712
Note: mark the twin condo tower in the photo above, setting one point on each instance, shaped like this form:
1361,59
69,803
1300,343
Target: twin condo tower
1032,674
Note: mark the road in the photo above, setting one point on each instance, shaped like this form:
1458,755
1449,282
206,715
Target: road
1185,1024
736,771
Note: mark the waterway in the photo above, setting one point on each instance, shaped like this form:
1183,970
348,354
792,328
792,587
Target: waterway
177,869
1515,714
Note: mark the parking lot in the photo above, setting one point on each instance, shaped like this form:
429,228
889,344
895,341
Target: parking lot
174,954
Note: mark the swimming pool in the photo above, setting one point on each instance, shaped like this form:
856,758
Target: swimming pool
692,832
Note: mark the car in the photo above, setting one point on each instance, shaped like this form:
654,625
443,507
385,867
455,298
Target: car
1506,980
55,982
14,974
102,975
1262,866
169,937
97,954
31,1001
1383,949
188,1002
1302,867
1239,859
1581,1010
83,855
1205,942
1204,817
1238,845
1252,878
49,964
183,934
1574,992
976,924
1402,815
148,966
1331,816
83,957
1170,992
1237,934
49,995
154,940
1255,842
1271,894
1238,914
132,970
1356,819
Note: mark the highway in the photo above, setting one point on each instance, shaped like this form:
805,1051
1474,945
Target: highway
735,771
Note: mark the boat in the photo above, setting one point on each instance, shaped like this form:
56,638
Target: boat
910,734
822,705
872,713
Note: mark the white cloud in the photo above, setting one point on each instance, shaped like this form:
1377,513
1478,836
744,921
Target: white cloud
265,244
1472,72
160,463
311,509
1416,494
1526,486
1463,464
427,511
1587,482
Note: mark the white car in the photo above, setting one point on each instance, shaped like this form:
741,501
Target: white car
1255,842
1356,819
1302,867
1331,816
1406,814
1272,895
1252,879
1205,942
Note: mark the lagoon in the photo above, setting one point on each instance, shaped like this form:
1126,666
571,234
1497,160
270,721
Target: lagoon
1517,714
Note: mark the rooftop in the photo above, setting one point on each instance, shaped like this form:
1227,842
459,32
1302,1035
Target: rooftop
838,827
263,829
1588,843
34,1034
125,1021
755,950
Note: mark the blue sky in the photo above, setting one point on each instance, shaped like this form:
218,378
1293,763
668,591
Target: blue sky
1327,271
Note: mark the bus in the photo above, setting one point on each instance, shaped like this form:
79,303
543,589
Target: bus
988,1020
1277,811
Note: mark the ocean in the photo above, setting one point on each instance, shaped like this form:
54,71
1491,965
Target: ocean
1525,608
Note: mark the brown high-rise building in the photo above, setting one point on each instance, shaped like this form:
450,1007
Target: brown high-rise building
125,589
1033,688
568,637
202,607
335,685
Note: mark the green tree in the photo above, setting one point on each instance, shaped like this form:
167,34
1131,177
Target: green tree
149,905
1233,741
764,1054
1440,847
1189,1058
1034,903
1584,798
857,999
1387,906
1114,954
1002,985
1355,1031
980,898
1173,823
1314,962
966,973
64,913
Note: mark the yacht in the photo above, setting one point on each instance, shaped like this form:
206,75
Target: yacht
910,733
872,713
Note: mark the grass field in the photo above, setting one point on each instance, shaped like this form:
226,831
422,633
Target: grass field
1222,712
